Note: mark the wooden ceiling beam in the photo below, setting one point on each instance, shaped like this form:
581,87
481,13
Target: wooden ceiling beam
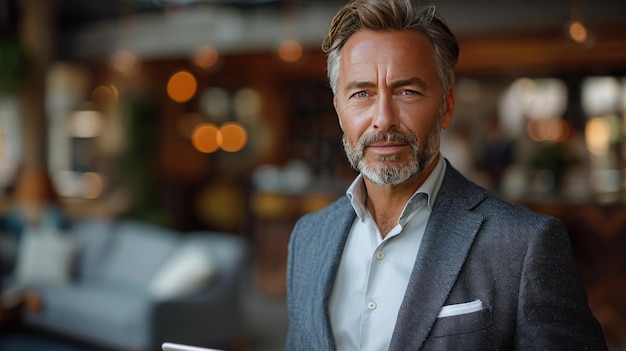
540,53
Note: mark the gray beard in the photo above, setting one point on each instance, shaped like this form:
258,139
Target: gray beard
388,173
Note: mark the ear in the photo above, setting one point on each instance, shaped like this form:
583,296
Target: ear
337,112
446,118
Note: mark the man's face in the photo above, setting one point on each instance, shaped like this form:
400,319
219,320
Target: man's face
390,105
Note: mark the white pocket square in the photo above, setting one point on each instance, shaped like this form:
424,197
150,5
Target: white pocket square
461,308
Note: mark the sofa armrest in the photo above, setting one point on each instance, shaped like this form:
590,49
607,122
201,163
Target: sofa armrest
211,316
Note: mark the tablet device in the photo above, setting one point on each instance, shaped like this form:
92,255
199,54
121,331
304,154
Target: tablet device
170,346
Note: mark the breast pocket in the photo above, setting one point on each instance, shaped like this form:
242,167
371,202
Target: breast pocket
463,319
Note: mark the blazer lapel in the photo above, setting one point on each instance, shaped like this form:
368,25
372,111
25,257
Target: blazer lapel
334,235
447,240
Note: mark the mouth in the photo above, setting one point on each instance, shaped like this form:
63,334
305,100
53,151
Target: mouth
386,148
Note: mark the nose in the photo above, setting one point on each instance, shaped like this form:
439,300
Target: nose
385,118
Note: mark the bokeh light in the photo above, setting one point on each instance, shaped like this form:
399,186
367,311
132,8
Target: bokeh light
578,32
290,50
547,129
204,138
93,185
597,136
247,104
232,137
182,86
600,95
549,98
215,102
105,95
85,123
124,61
220,204
205,57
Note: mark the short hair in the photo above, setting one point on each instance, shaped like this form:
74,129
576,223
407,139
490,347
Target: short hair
392,15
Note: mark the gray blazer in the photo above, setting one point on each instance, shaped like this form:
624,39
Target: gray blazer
476,246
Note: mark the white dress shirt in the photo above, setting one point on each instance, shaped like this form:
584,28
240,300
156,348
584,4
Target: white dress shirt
374,272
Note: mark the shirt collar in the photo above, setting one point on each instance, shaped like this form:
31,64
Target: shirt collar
357,193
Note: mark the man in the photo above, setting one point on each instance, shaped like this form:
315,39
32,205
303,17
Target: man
416,256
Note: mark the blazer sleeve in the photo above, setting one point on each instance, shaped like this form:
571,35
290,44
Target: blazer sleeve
290,343
553,312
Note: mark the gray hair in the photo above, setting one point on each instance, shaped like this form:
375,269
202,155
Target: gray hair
390,15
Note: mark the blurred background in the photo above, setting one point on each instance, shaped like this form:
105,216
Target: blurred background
215,116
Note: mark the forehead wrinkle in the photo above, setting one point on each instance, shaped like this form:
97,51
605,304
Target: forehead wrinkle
381,70
395,84
380,73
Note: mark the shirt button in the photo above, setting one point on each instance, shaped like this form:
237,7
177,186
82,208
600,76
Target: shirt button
380,255
371,305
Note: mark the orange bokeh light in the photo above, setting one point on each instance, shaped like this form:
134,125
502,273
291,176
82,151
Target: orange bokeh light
105,95
205,57
578,32
232,137
204,138
182,86
547,129
290,51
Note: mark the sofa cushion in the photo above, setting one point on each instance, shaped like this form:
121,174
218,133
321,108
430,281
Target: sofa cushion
136,253
94,239
45,256
225,249
105,314
188,269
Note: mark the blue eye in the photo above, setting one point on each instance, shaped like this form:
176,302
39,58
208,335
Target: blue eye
360,94
408,92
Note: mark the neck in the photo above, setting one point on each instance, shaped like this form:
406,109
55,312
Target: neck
385,202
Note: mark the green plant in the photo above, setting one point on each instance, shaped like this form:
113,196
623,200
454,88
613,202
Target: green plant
12,66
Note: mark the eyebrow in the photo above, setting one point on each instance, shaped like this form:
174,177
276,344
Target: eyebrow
358,85
410,81
399,83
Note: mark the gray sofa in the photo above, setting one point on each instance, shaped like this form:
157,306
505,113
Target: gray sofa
129,291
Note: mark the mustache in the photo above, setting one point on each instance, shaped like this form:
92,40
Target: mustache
377,137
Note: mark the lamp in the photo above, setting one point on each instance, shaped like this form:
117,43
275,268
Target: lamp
600,95
575,28
85,122
548,99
